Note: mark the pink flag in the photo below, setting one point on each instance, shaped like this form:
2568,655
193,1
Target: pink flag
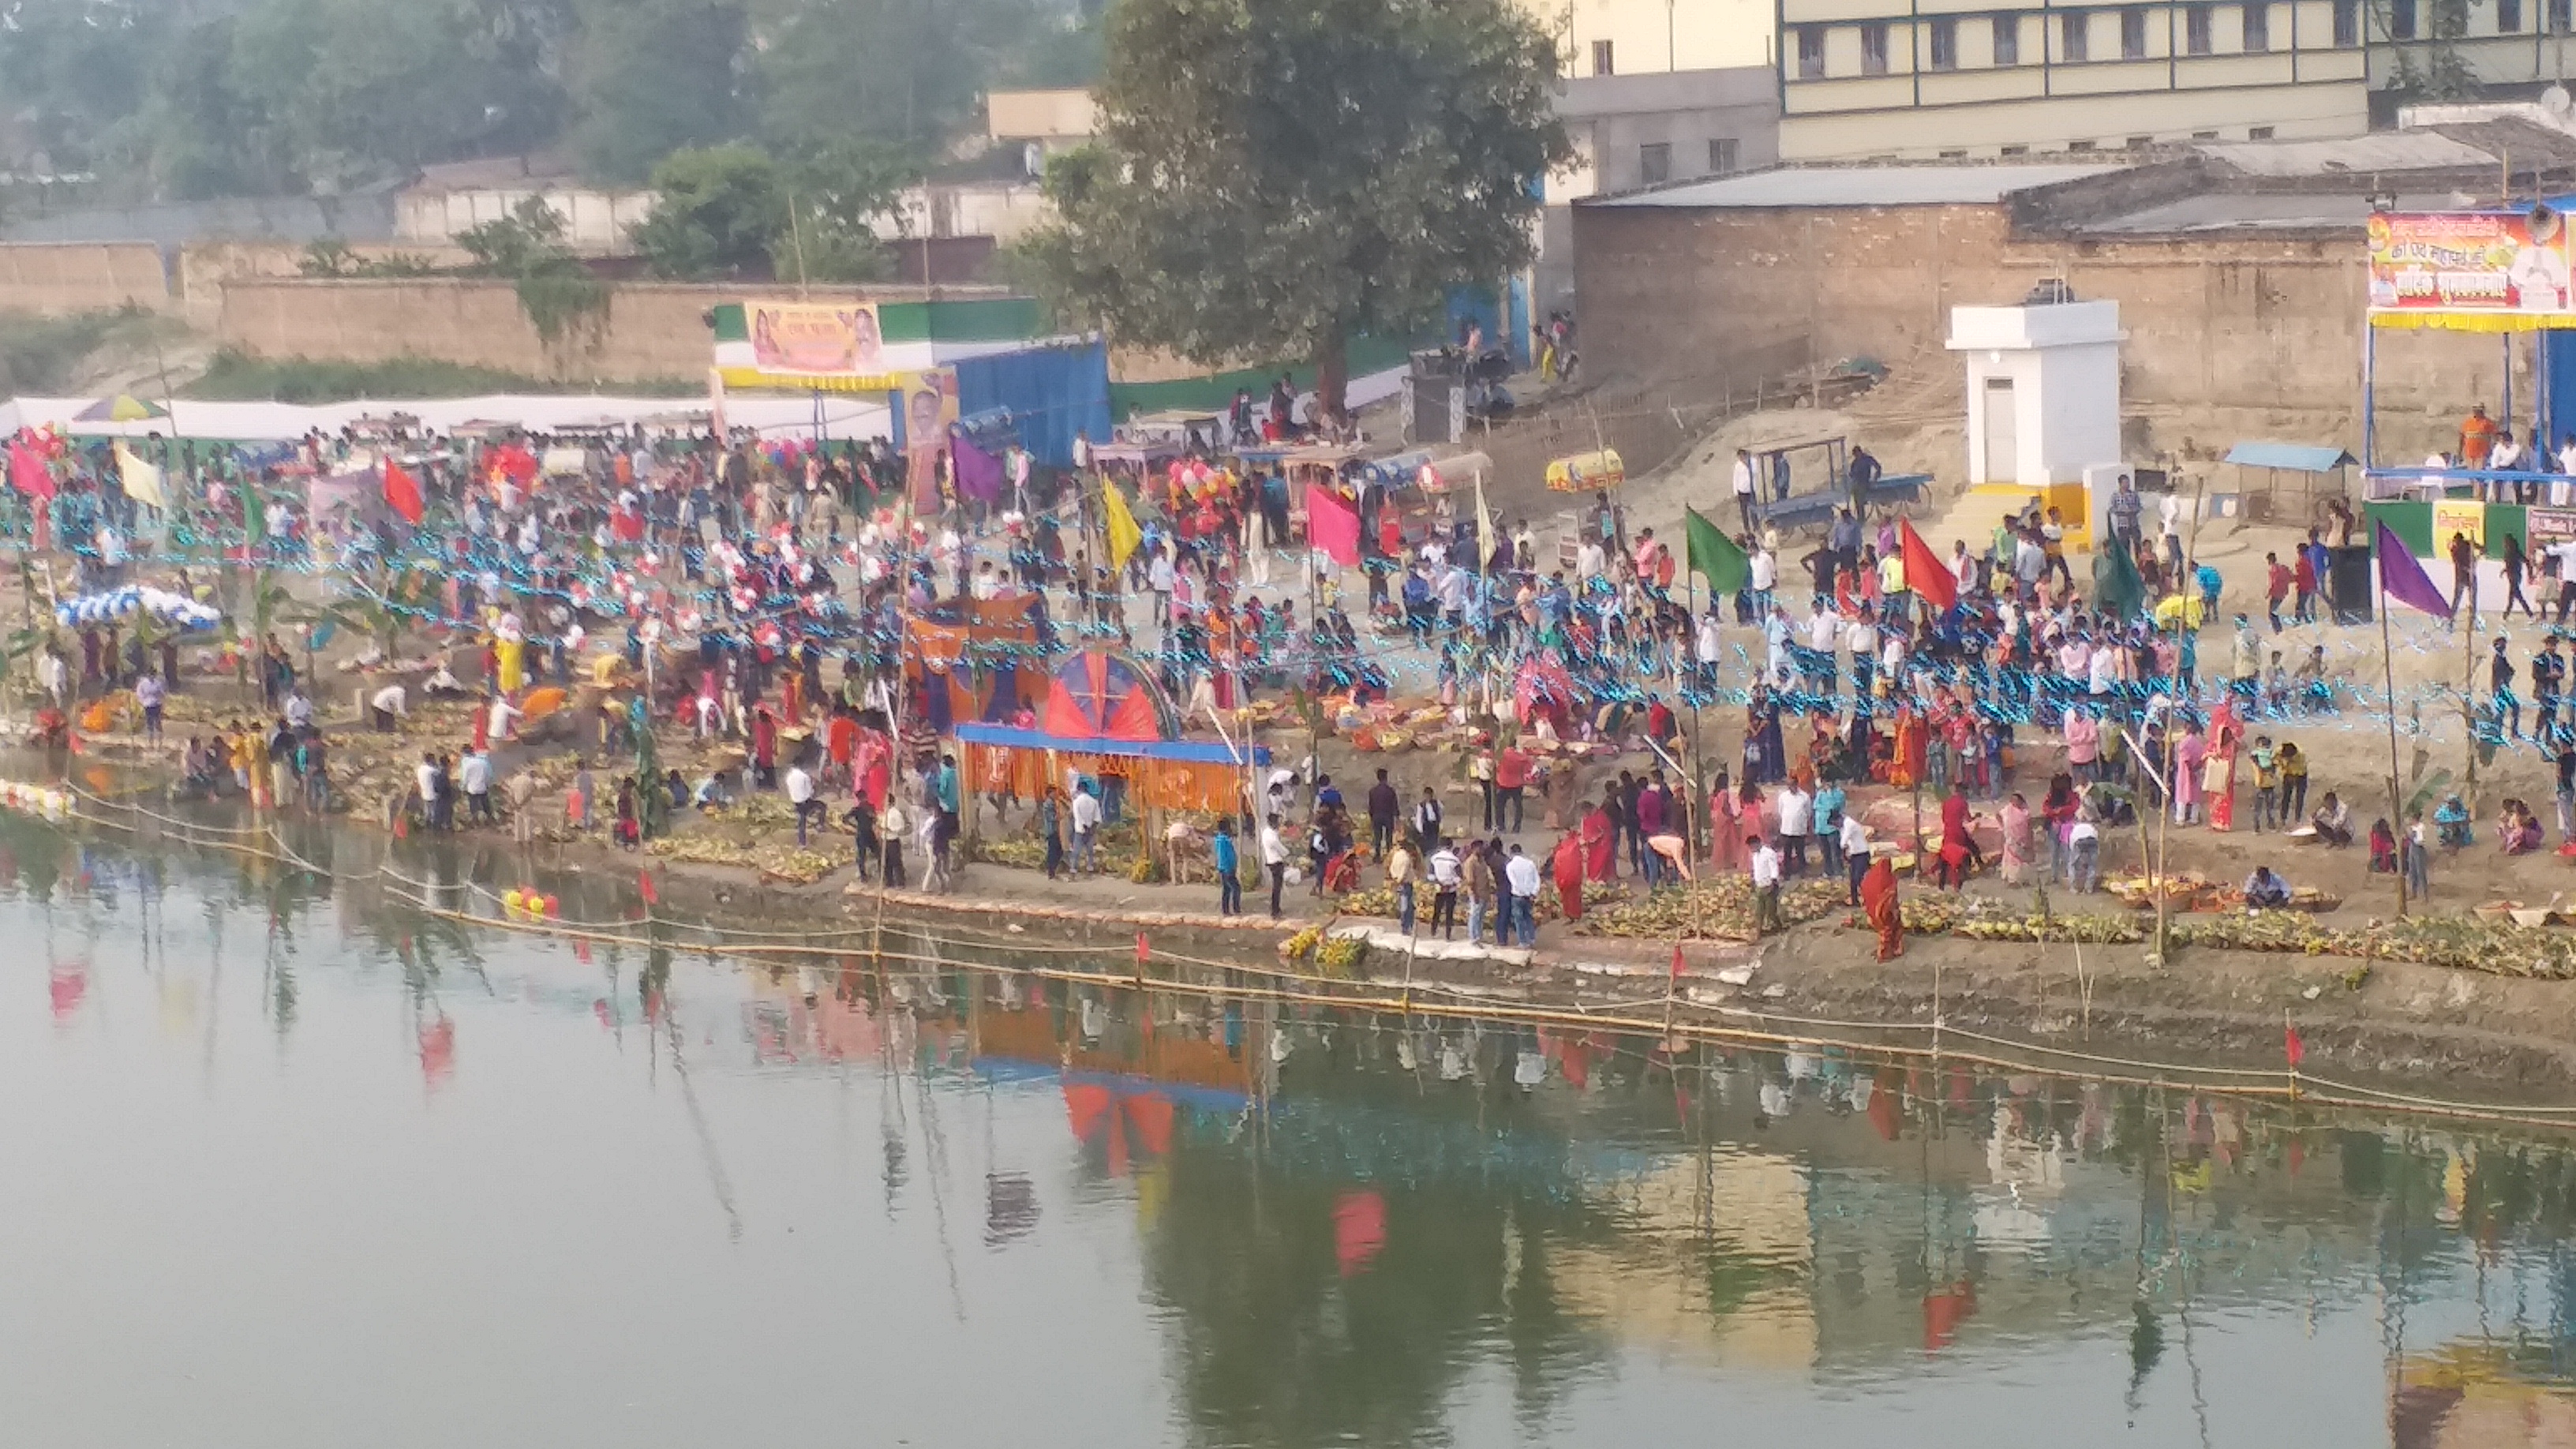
1333,525
27,472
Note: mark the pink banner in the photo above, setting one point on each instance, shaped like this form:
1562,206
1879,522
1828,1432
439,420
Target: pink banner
1333,525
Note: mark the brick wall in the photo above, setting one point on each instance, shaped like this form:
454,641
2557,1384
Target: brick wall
653,331
2228,338
82,277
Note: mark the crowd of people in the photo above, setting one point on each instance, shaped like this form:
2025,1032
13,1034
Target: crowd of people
760,592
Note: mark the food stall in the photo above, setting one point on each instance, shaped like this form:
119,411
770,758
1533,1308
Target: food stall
1587,472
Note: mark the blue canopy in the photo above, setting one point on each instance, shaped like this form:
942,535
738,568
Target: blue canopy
2295,457
1193,752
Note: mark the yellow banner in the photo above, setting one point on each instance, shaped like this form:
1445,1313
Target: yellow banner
2458,515
811,339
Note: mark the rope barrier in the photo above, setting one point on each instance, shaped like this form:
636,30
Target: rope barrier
1694,1021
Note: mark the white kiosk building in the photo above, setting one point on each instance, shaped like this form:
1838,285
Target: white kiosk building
2043,388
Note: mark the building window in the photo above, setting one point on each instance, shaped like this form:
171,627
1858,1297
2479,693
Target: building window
2258,133
2012,150
2195,29
2007,40
2557,17
1959,155
1811,51
1945,44
1873,48
2401,19
2079,145
2508,16
1601,58
2347,22
1723,154
1654,163
2140,143
2133,34
2070,32
2204,135
2258,25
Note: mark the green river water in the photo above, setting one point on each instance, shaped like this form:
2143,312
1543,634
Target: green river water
283,1162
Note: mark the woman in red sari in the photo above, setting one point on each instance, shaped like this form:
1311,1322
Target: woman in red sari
1600,844
1567,868
1878,901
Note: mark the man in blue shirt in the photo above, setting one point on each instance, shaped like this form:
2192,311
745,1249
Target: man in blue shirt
1229,885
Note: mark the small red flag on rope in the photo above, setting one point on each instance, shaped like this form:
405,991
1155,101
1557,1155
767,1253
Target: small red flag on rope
2296,1049
1677,960
1142,950
644,883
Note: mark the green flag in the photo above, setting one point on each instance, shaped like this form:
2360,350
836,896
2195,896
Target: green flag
254,516
2117,589
1714,556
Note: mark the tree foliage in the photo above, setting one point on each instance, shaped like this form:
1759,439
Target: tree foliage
737,211
1272,177
653,77
190,98
561,298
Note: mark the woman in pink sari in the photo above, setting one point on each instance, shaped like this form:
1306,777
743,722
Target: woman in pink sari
2188,753
1725,825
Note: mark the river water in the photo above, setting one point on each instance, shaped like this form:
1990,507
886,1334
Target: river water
286,1164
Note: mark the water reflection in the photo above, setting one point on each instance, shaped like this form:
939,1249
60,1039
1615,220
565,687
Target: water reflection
1211,1219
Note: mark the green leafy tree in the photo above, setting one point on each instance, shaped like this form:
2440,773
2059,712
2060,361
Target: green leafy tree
1271,178
654,77
560,296
837,195
900,72
715,212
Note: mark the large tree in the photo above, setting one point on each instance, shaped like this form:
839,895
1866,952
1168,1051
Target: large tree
1274,175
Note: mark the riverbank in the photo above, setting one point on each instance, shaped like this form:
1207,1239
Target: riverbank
2385,1026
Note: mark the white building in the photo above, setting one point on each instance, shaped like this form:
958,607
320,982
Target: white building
2043,390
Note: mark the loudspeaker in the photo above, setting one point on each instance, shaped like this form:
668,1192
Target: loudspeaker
2350,582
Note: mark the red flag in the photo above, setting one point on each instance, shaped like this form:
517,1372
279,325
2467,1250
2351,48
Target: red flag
1925,574
28,473
644,883
402,492
1333,526
1142,950
2296,1049
1677,960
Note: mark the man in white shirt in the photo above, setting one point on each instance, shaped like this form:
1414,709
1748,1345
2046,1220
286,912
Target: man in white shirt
1766,887
1086,828
1521,874
1710,645
1589,561
1445,872
1824,632
800,793
474,777
1743,478
1861,638
388,704
1797,820
1274,859
1764,574
1855,848
299,708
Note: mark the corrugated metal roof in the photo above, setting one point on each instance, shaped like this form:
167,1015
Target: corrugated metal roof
2298,457
1863,186
2376,151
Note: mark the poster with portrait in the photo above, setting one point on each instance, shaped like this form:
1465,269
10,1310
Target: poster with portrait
929,411
803,341
2469,261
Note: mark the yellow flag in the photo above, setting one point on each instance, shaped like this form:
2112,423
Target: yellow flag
142,480
1124,535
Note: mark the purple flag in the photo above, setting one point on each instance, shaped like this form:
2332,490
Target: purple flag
979,474
2403,579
